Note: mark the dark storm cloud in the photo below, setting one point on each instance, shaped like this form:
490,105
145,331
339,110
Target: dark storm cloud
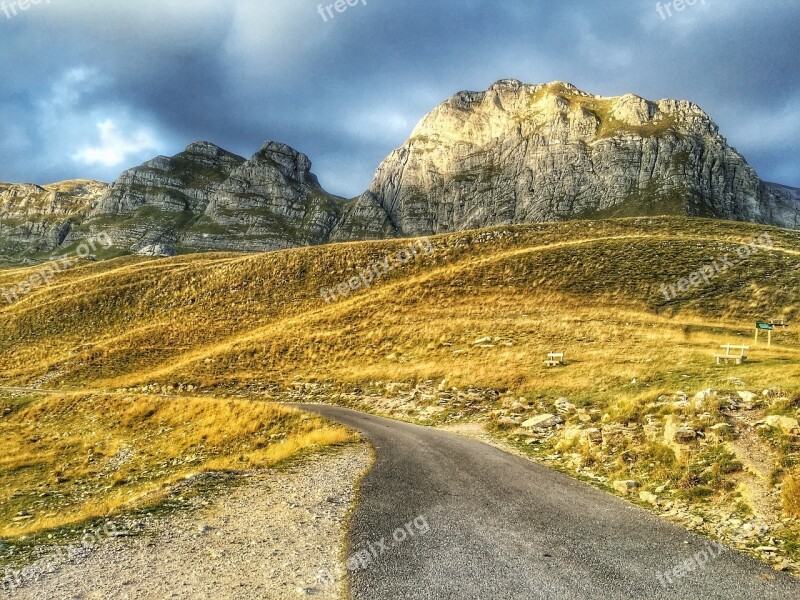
90,87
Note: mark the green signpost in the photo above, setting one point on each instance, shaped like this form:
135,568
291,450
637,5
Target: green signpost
768,327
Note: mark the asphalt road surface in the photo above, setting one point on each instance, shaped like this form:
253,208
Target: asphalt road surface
442,516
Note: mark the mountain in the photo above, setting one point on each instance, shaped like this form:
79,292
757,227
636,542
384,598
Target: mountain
515,153
204,198
530,153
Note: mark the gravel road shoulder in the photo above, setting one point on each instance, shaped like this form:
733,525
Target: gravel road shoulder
269,538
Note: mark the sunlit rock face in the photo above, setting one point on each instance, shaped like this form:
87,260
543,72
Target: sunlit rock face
515,153
520,153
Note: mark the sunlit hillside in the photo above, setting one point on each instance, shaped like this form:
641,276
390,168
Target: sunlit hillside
458,333
592,289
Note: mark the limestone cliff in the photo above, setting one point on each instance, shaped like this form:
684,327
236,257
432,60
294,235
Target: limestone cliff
515,153
523,153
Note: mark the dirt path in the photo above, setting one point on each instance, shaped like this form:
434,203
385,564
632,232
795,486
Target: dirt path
270,538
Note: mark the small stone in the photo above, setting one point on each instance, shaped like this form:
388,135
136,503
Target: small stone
626,486
544,421
648,497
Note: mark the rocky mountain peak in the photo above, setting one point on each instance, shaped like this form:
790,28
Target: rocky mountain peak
513,153
292,164
519,152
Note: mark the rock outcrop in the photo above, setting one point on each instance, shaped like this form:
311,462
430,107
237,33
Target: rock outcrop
524,153
36,220
515,153
208,199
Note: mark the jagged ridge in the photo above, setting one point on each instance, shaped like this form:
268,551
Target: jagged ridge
515,153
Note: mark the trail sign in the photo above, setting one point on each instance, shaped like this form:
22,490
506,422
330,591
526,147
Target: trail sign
768,327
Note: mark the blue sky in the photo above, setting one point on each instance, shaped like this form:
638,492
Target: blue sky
91,87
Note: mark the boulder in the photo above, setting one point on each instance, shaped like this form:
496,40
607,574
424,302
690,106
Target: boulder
785,424
648,497
685,435
159,250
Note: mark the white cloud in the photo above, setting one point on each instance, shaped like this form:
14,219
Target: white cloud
115,145
88,136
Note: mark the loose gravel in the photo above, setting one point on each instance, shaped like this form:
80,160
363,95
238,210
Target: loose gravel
281,534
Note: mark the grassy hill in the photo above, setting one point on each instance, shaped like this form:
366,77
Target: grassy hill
591,288
460,334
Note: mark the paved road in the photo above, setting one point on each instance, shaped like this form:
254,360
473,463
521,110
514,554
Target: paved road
503,527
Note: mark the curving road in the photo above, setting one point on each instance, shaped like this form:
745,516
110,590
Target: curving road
442,517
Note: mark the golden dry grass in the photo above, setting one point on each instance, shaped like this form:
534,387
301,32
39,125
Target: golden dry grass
69,458
590,288
790,494
253,323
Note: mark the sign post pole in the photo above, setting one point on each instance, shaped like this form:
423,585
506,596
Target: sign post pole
768,327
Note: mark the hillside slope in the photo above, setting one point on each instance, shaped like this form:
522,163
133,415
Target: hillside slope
218,316
457,334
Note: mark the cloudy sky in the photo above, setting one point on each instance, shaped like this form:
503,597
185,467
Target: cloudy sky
91,87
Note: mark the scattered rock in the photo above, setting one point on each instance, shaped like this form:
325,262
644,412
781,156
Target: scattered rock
648,497
626,486
545,421
785,424
564,406
704,398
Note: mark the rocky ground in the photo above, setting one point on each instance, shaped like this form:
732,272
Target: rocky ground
713,461
279,534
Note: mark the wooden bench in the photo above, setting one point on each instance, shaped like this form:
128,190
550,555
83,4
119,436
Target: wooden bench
554,359
727,357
